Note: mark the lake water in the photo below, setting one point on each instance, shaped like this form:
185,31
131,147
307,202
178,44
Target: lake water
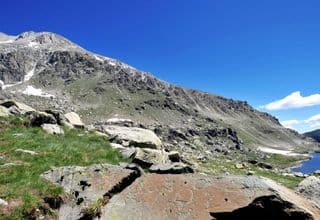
309,166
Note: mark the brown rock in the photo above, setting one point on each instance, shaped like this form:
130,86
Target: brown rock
168,196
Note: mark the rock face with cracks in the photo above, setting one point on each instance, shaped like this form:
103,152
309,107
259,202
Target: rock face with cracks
195,197
86,186
127,195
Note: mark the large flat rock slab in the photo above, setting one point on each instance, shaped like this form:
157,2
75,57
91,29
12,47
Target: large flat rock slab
192,196
133,136
86,185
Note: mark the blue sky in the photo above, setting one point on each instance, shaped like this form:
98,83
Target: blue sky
259,51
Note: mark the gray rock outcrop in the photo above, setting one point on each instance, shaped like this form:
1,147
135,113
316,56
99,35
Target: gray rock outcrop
132,136
310,188
52,129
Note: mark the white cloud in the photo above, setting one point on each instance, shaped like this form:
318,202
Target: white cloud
313,121
294,100
310,123
290,123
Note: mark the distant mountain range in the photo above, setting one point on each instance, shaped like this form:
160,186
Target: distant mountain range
45,70
314,134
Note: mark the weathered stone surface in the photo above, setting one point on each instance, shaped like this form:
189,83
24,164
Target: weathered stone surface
117,146
39,118
23,108
74,119
174,168
310,188
128,152
52,129
191,196
146,157
137,137
86,185
4,112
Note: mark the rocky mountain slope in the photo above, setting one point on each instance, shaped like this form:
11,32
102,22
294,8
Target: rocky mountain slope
46,70
314,134
53,166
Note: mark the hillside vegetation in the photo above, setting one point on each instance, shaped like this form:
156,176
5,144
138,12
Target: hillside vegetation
20,181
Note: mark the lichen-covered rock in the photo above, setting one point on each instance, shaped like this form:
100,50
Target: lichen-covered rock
137,137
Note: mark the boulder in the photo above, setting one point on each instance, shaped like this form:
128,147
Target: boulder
194,196
74,119
18,107
88,186
310,188
117,146
52,129
137,137
174,168
146,157
39,118
57,115
128,152
239,166
4,112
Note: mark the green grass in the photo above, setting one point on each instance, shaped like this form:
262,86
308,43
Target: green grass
220,166
23,182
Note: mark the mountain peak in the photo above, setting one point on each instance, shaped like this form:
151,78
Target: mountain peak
37,40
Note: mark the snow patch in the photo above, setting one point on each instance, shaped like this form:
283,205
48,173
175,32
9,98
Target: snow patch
27,77
282,152
30,90
29,74
32,44
10,85
112,63
98,58
119,120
